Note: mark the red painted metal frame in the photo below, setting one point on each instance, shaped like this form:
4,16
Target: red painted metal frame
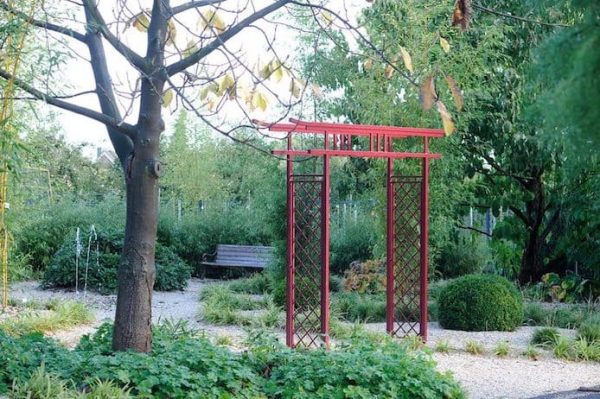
338,141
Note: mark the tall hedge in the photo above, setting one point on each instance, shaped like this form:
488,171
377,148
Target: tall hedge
480,303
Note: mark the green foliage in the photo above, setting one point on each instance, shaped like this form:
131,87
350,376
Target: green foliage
567,289
565,316
187,365
545,337
480,303
531,352
361,370
565,66
590,329
463,257
502,349
355,307
257,284
474,347
60,316
352,242
20,357
221,305
172,273
365,277
41,232
563,348
442,346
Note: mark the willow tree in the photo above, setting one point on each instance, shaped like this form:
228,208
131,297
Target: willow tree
186,59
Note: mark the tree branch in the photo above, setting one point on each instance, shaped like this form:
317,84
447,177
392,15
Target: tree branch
121,126
519,214
485,233
42,24
187,62
193,4
98,23
510,16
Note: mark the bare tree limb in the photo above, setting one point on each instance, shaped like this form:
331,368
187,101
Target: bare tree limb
185,63
193,4
43,24
98,23
121,126
485,233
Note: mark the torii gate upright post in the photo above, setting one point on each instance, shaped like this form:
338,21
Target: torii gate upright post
308,241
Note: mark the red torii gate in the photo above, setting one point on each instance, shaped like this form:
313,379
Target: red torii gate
307,308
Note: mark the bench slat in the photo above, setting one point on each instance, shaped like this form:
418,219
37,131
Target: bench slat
242,256
253,265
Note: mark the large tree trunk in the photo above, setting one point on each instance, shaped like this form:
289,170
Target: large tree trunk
532,263
133,317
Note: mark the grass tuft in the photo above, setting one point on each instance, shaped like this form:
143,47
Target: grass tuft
474,347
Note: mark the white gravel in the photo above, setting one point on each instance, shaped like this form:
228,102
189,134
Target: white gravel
483,376
489,377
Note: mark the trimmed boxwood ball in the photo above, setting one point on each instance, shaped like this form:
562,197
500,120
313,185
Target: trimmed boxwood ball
480,303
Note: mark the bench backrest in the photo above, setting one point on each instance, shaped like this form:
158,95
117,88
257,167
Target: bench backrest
244,255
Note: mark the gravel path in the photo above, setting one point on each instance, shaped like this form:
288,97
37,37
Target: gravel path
482,376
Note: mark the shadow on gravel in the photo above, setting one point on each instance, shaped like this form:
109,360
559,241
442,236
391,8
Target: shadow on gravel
582,393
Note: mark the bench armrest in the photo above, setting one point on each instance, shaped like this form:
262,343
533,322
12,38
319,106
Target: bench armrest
207,256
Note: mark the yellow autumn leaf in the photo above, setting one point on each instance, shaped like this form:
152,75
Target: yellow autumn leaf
190,49
211,19
389,71
327,17
226,83
171,32
427,93
456,93
167,98
296,87
278,70
141,22
259,101
444,45
265,71
368,64
210,104
406,58
204,93
449,127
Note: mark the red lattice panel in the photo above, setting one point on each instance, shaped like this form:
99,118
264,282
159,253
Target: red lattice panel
407,255
307,260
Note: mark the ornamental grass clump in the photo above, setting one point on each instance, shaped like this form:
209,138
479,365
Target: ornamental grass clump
480,303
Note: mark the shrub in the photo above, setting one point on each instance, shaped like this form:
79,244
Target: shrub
352,242
365,277
461,258
256,284
187,365
590,329
545,337
480,303
172,273
41,233
354,307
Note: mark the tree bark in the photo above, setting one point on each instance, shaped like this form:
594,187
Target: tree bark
133,318
532,263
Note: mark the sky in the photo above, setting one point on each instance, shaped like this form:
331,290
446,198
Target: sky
79,129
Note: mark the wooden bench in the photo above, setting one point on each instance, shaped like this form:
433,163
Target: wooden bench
256,257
